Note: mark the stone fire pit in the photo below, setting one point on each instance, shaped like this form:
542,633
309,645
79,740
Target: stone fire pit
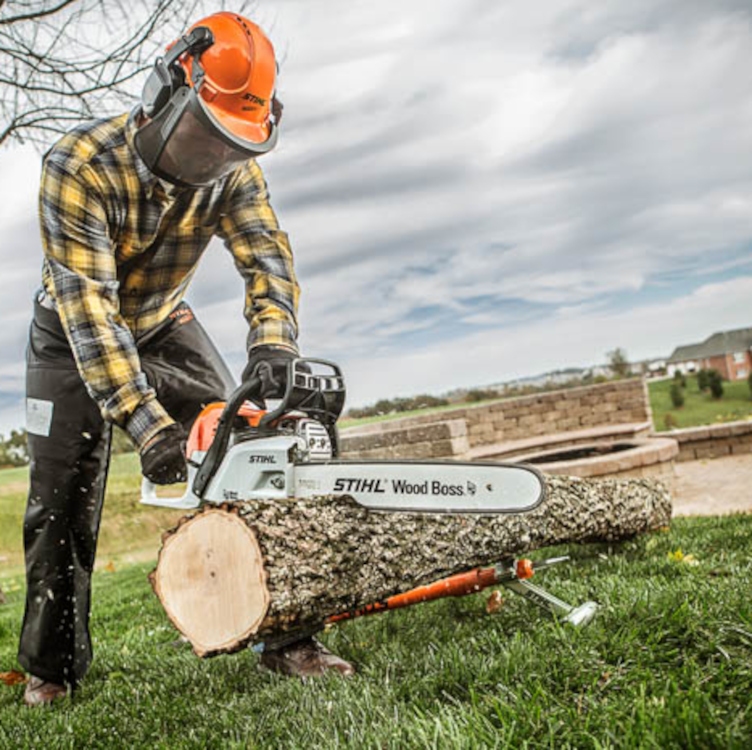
608,456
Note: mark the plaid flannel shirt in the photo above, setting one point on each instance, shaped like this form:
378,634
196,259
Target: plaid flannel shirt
120,253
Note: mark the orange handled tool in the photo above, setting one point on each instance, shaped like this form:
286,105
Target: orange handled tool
461,584
512,574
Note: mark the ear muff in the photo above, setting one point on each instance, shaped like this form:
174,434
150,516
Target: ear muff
166,76
158,89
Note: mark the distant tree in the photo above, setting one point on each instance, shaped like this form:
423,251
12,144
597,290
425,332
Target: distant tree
13,450
716,384
384,406
677,396
480,394
425,401
618,362
397,405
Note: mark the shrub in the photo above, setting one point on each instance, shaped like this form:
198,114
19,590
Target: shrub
703,380
677,397
669,421
619,363
480,394
424,400
749,383
715,381
680,378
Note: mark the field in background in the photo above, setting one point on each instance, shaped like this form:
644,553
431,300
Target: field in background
666,663
700,408
350,422
129,530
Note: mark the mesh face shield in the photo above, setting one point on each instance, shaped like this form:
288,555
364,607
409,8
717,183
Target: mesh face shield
185,145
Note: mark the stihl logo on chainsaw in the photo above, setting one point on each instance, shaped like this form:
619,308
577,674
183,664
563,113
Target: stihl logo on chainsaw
400,487
360,485
257,458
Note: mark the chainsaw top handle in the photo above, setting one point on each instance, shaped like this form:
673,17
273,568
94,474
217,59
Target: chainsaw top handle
320,396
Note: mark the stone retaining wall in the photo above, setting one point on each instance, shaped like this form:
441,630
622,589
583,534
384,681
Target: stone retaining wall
623,401
559,411
438,440
712,441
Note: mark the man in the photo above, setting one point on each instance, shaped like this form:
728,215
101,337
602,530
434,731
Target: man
127,207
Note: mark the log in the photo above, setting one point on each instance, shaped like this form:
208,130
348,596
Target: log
231,575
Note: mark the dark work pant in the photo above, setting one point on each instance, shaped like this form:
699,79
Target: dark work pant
69,448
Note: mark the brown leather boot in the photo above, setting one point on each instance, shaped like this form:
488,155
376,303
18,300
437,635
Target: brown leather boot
40,692
305,658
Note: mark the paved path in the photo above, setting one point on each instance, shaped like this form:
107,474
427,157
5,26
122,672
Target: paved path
714,486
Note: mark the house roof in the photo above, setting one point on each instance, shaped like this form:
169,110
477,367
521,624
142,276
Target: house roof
723,342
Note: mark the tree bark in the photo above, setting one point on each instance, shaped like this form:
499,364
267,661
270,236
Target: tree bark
234,574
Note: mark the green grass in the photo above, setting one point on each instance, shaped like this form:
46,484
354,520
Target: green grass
700,408
350,422
128,529
666,663
13,490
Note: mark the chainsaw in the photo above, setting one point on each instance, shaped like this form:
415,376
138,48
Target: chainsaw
242,450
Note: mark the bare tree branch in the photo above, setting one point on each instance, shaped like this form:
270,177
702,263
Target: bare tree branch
64,61
37,14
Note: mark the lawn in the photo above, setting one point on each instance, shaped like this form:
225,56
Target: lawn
129,530
666,663
700,408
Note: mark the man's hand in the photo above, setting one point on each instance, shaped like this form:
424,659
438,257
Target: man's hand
277,358
163,457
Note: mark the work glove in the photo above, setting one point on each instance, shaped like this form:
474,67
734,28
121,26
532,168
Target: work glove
163,457
277,359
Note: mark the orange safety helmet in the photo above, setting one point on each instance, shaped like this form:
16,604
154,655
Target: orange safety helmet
210,102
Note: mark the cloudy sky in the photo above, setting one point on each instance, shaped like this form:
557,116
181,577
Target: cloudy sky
477,191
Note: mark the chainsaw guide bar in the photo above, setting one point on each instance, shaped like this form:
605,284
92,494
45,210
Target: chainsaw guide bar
425,486
237,452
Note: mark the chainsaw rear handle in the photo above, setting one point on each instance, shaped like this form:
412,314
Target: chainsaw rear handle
319,396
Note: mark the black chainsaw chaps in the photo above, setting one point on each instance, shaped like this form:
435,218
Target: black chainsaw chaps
69,447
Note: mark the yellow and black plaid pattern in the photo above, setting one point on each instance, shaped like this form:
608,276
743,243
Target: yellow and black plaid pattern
120,252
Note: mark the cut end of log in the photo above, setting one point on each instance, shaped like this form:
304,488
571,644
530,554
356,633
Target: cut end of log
211,581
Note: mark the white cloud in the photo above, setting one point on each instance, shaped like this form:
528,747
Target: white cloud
471,185
568,338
